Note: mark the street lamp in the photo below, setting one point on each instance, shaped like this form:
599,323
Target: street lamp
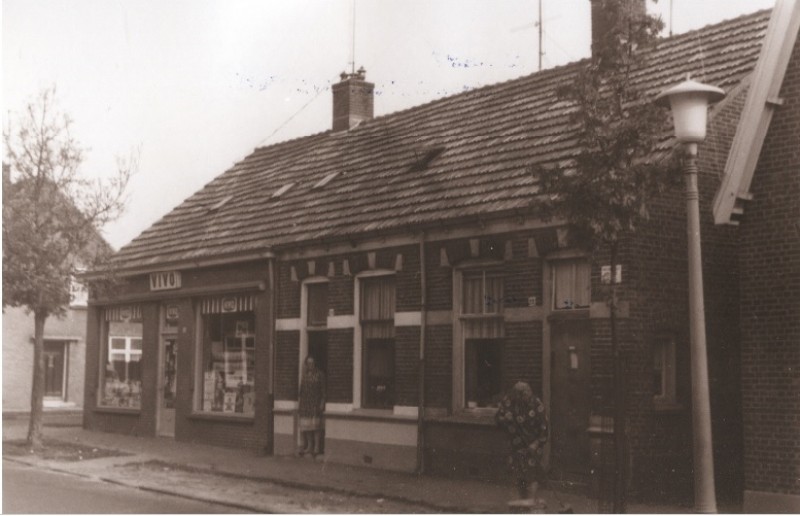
689,103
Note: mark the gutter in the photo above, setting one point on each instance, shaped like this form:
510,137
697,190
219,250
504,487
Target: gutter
422,327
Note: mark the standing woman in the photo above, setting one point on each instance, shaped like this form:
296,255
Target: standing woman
312,405
522,416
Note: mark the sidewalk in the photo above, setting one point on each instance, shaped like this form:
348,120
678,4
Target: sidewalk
437,493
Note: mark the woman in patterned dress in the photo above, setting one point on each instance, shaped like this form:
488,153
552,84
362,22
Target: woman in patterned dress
522,416
311,407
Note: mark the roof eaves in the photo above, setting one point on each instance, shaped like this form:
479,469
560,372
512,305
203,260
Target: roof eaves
760,104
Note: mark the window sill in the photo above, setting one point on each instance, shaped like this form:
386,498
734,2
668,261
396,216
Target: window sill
571,313
478,417
666,407
229,417
118,410
370,414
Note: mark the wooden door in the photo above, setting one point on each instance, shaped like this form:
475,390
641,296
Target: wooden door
570,403
167,386
54,369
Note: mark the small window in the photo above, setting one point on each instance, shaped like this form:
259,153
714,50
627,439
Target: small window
377,328
325,180
664,391
482,293
571,285
484,378
317,304
282,190
124,356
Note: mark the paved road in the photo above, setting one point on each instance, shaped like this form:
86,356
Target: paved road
31,490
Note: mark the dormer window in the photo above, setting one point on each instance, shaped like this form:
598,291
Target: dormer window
282,190
219,204
325,180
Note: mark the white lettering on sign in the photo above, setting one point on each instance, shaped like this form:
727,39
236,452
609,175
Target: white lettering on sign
169,280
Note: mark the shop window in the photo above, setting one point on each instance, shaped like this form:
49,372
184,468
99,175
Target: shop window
229,362
664,391
571,284
121,375
483,330
377,328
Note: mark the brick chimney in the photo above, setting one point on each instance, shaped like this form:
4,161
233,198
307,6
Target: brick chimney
604,19
353,100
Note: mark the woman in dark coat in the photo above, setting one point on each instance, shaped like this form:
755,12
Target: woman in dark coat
522,416
311,407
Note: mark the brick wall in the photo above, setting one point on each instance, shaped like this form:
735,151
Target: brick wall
287,364
770,303
438,366
655,276
406,365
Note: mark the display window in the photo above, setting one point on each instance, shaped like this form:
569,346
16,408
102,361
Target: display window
228,350
121,373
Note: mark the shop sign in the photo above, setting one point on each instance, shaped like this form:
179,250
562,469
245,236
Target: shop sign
229,304
172,312
168,280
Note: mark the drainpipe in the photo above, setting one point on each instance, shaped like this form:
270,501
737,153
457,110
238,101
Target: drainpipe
422,326
273,297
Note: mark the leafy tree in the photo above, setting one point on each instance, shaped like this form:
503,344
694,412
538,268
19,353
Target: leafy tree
51,222
606,192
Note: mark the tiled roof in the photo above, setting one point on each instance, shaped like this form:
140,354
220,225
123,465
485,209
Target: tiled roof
490,137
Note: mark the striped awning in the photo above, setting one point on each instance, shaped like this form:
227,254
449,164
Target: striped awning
123,313
228,304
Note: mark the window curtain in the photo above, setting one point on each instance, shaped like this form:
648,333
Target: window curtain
572,285
378,307
472,294
377,299
482,295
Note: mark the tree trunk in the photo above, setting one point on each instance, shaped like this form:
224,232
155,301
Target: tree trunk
37,391
619,396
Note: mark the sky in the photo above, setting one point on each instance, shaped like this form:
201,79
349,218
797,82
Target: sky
196,85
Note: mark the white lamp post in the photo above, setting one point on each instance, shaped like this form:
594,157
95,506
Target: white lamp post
689,102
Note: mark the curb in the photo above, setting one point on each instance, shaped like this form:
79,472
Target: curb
294,484
113,481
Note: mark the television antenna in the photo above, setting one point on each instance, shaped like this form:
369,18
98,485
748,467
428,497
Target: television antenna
539,24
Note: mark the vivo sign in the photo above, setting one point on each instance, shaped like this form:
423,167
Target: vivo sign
165,280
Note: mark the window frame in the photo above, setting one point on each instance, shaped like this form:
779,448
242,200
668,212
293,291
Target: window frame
460,337
665,344
359,348
574,261
127,352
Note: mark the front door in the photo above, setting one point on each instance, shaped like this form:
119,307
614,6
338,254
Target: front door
54,369
167,385
570,399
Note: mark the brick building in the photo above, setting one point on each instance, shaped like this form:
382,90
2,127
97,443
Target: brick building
403,252
64,348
